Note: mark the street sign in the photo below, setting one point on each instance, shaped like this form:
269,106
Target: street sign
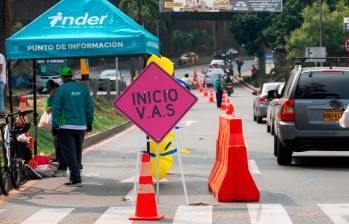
346,45
269,62
317,54
155,102
346,24
220,5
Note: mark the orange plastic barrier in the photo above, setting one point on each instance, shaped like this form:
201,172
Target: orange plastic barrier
230,179
146,208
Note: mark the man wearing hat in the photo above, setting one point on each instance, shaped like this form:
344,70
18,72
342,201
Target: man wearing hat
72,116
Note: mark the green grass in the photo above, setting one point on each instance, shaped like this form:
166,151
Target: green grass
105,117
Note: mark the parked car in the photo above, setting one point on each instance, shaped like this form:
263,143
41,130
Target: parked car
188,58
260,104
218,63
305,121
110,74
273,96
212,75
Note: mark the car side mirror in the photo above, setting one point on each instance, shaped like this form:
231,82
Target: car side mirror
254,93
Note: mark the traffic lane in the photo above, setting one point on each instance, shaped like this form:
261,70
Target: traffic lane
309,181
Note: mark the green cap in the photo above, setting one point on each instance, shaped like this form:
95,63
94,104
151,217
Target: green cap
65,71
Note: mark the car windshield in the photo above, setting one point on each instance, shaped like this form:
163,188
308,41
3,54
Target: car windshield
269,86
323,85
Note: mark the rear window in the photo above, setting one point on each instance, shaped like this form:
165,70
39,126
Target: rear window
268,87
323,85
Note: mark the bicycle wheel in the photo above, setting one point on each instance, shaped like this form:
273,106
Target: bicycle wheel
16,173
5,185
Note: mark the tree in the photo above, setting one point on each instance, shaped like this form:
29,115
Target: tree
259,30
308,34
188,40
145,12
5,21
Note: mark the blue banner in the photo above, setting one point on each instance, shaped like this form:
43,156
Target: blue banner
81,28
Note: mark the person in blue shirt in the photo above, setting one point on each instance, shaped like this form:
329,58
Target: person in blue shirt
72,116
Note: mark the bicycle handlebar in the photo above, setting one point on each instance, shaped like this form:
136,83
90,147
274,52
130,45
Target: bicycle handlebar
20,113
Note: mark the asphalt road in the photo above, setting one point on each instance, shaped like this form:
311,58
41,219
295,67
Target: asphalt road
312,190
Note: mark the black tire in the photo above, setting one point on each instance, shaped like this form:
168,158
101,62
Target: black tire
284,155
272,129
254,117
259,119
5,184
16,174
275,146
268,128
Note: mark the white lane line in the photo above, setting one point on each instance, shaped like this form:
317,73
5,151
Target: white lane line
252,166
268,214
131,180
336,212
48,216
193,215
118,215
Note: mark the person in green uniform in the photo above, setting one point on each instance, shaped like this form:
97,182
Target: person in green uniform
51,87
72,116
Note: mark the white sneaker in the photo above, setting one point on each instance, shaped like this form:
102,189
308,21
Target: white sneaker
60,173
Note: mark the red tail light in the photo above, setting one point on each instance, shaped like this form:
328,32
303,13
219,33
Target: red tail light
287,111
262,100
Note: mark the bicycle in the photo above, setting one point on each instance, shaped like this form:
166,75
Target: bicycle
11,162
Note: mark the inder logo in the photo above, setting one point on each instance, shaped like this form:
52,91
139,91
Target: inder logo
63,21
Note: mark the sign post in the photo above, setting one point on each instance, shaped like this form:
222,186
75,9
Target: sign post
155,102
315,54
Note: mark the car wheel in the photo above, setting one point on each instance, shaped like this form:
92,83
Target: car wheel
284,155
268,128
272,129
275,146
259,119
254,117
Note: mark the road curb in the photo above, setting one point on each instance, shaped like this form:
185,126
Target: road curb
97,138
249,86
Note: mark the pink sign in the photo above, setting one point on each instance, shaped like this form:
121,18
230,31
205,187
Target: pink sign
155,102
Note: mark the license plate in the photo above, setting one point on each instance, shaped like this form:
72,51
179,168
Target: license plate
332,116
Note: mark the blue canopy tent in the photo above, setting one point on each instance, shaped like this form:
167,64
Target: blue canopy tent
79,28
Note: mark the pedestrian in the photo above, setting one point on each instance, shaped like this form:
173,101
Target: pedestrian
230,68
239,65
2,81
254,72
72,116
51,87
218,87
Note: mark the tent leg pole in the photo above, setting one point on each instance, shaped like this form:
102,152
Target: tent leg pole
35,110
10,93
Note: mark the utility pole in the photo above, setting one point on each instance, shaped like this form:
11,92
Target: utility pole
321,24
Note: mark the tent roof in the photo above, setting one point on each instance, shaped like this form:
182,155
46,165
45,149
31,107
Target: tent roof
81,28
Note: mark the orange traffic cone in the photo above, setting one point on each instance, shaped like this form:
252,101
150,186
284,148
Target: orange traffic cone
146,208
205,90
200,85
224,103
23,103
211,99
230,109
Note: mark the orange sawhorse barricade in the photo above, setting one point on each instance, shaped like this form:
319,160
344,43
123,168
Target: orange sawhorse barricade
230,179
